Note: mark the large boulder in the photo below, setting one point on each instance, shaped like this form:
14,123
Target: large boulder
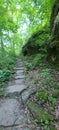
35,42
53,42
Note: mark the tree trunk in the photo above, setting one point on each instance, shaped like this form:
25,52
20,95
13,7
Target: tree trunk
2,47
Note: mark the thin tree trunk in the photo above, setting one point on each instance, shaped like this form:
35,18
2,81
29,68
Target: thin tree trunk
2,47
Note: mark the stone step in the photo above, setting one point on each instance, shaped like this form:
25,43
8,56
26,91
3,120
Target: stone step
16,82
19,68
15,89
19,71
19,81
18,60
11,113
19,77
20,65
15,128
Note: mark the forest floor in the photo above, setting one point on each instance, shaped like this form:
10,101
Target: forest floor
44,101
31,99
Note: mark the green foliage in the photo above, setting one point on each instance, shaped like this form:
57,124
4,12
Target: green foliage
42,95
55,93
52,100
46,74
21,19
4,75
36,121
37,59
28,65
45,124
40,114
54,85
7,64
41,39
52,108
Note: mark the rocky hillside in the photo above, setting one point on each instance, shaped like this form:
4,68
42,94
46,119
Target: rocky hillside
45,41
53,42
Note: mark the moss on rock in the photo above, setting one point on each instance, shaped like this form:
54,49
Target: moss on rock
38,112
35,43
52,128
55,93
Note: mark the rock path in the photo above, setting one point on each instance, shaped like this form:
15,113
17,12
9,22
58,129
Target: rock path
13,114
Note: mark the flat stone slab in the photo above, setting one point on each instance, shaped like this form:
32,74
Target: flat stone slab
19,77
15,128
16,82
19,68
11,113
19,72
18,58
15,88
19,81
20,65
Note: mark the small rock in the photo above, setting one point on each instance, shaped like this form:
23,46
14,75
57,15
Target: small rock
27,93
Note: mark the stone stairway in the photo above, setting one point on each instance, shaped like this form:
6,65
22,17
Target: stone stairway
13,114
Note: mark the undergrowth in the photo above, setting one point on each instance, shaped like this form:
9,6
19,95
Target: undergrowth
47,93
34,61
7,64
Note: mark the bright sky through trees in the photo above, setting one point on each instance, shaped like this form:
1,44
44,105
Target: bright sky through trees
22,18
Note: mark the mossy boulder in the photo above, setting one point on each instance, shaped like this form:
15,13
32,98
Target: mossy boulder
35,43
38,112
42,95
53,41
55,93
